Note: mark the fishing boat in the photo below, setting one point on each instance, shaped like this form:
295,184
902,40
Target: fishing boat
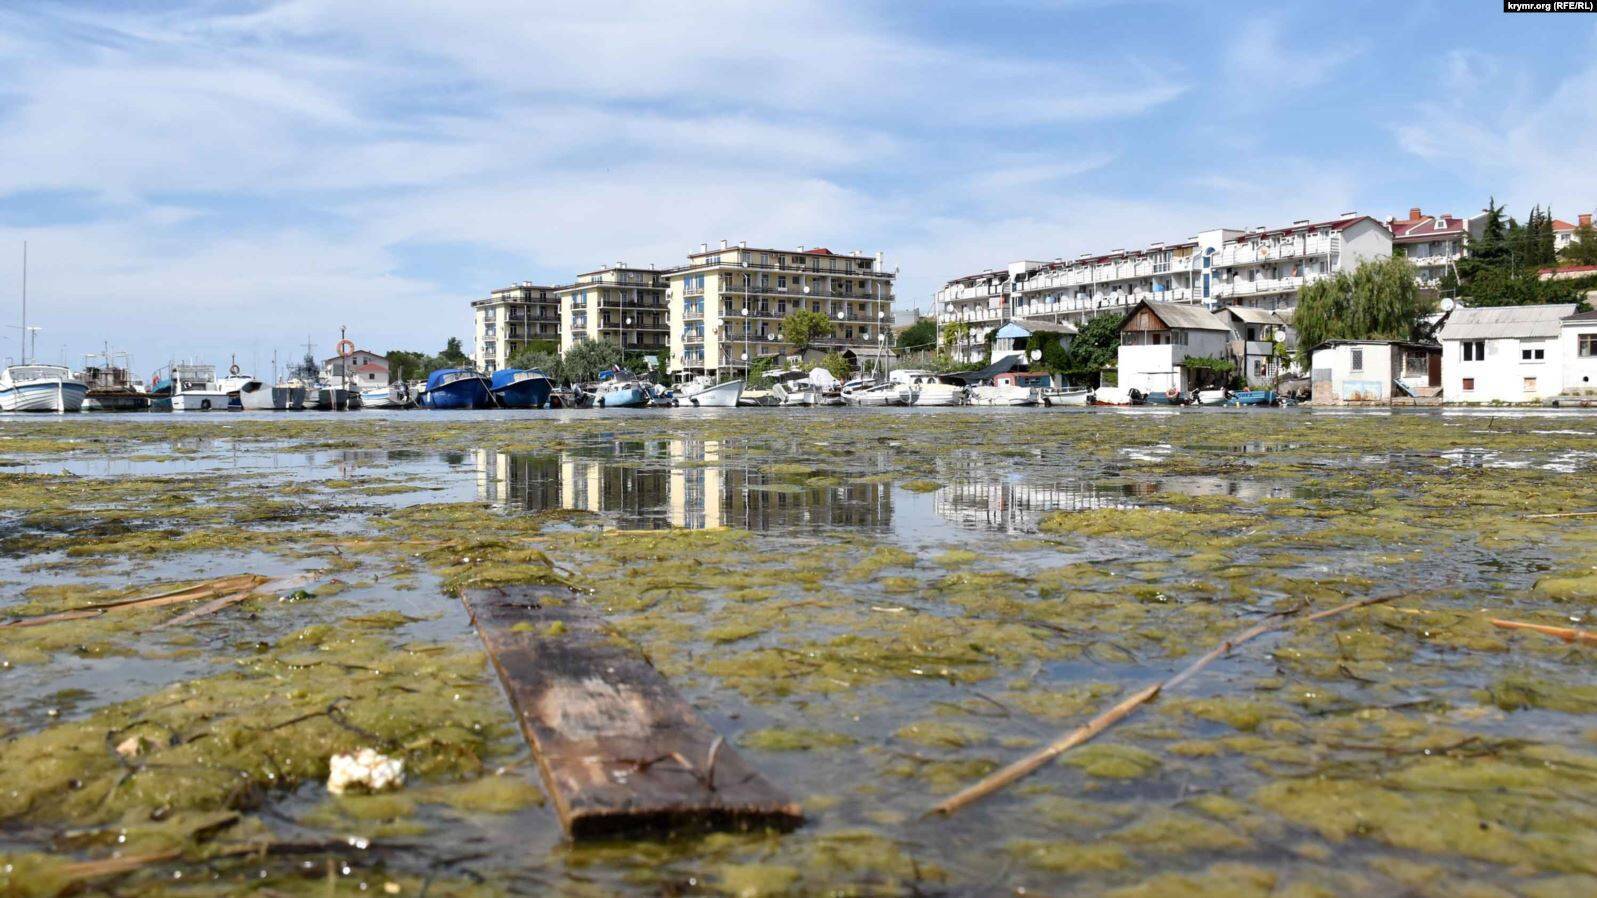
521,388
457,388
187,388
111,389
40,388
705,392
1116,396
1211,397
615,393
236,385
1251,397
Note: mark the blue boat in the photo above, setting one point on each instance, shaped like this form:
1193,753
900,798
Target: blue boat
1251,397
521,388
453,388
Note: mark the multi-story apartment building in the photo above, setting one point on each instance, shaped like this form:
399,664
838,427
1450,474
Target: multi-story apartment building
1258,268
727,304
511,318
623,305
1433,243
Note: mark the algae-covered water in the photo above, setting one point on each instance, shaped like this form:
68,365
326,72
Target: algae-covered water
876,608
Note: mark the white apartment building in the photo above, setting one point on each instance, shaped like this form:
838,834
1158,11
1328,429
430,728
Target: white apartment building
511,318
1503,353
623,305
1433,243
1258,268
727,304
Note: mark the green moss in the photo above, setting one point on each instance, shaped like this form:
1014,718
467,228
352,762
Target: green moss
1070,857
1112,761
779,739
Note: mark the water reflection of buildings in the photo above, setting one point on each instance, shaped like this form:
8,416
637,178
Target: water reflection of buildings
1018,506
649,484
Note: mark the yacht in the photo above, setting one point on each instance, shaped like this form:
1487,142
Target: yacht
40,388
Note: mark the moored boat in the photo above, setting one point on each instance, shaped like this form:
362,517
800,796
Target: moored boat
521,388
1116,396
188,388
394,395
111,389
40,388
705,392
1167,397
928,389
1251,397
1211,397
621,394
457,388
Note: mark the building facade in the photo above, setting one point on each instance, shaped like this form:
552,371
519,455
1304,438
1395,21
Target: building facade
727,304
1259,268
1375,372
625,306
1578,348
511,318
1433,243
362,367
1156,340
1503,353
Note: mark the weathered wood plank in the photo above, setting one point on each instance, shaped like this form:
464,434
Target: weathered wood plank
620,750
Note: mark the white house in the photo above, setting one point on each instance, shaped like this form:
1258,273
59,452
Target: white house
1156,339
1374,372
1014,338
362,366
1578,348
1503,353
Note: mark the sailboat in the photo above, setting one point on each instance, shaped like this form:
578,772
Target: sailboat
32,387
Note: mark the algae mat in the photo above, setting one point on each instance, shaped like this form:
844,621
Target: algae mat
876,608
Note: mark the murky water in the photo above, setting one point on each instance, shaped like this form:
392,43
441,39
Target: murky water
876,607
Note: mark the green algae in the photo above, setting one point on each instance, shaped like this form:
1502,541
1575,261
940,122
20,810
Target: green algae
1113,761
783,739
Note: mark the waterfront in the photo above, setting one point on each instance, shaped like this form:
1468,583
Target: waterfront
876,608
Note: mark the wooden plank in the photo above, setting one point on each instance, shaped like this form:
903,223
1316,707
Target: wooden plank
620,750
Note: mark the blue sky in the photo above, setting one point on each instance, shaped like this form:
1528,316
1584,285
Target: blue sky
208,178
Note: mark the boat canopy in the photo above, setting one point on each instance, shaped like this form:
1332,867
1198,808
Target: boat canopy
445,375
504,377
1006,364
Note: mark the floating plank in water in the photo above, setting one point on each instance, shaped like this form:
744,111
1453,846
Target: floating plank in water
620,750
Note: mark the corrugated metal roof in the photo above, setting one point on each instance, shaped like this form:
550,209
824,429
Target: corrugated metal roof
1034,325
1255,316
1496,322
1177,315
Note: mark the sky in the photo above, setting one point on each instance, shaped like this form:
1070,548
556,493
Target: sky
206,180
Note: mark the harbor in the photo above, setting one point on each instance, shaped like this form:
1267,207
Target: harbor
873,609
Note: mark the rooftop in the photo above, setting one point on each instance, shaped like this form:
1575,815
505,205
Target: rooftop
1496,322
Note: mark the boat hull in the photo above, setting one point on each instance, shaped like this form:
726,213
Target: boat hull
43,396
467,393
327,399
931,397
529,393
725,395
1067,399
258,397
1252,397
115,401
200,401
628,397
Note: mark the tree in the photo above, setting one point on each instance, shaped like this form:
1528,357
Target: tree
583,362
953,335
802,327
547,362
453,356
1377,301
836,365
403,363
920,335
1583,251
1095,347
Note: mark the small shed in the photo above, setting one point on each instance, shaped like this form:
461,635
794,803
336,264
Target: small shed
1376,372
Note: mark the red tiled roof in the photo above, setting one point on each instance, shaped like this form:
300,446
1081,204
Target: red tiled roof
1424,227
1560,225
820,251
1566,269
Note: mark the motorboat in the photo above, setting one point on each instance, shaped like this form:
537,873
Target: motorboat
1066,397
245,391
1251,397
1116,396
40,388
928,389
188,388
291,393
1210,397
394,395
621,394
705,392
875,394
1014,388
457,388
111,389
324,397
757,399
1171,396
520,388
794,388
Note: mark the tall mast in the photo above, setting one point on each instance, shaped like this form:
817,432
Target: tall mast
24,335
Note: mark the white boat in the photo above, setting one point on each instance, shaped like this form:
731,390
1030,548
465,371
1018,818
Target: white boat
394,395
245,391
40,388
931,389
1003,390
757,399
326,397
1056,398
876,394
190,388
1212,397
794,388
704,392
1113,396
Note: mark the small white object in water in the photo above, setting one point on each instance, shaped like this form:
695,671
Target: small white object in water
365,768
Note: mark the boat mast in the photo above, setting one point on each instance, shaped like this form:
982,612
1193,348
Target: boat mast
24,335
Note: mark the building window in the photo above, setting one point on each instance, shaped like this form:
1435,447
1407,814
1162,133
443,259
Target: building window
1587,346
1474,350
1530,384
1532,355
1358,360
1469,384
